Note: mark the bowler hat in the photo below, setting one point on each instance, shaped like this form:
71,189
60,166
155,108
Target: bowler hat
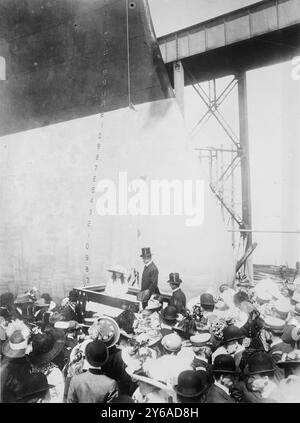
191,383
224,363
232,333
96,353
169,313
146,252
207,299
46,346
174,279
259,362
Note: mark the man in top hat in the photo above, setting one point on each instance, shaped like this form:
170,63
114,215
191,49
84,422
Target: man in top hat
73,310
24,307
93,386
178,298
225,372
149,276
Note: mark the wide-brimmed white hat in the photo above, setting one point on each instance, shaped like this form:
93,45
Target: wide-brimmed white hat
117,268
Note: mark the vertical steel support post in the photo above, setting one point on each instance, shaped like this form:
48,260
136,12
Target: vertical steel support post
179,84
245,162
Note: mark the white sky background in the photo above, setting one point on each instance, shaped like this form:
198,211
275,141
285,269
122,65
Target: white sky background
274,130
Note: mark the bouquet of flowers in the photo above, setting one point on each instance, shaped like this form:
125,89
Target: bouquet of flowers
217,328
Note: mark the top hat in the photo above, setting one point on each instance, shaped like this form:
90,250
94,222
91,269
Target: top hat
169,313
146,252
174,279
46,346
105,329
232,333
259,362
191,383
207,299
224,363
96,353
73,295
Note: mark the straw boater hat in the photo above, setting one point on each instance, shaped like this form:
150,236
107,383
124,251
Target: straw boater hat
141,376
201,340
282,308
274,324
16,344
46,346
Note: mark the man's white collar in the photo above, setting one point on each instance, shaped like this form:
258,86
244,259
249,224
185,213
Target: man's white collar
225,389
